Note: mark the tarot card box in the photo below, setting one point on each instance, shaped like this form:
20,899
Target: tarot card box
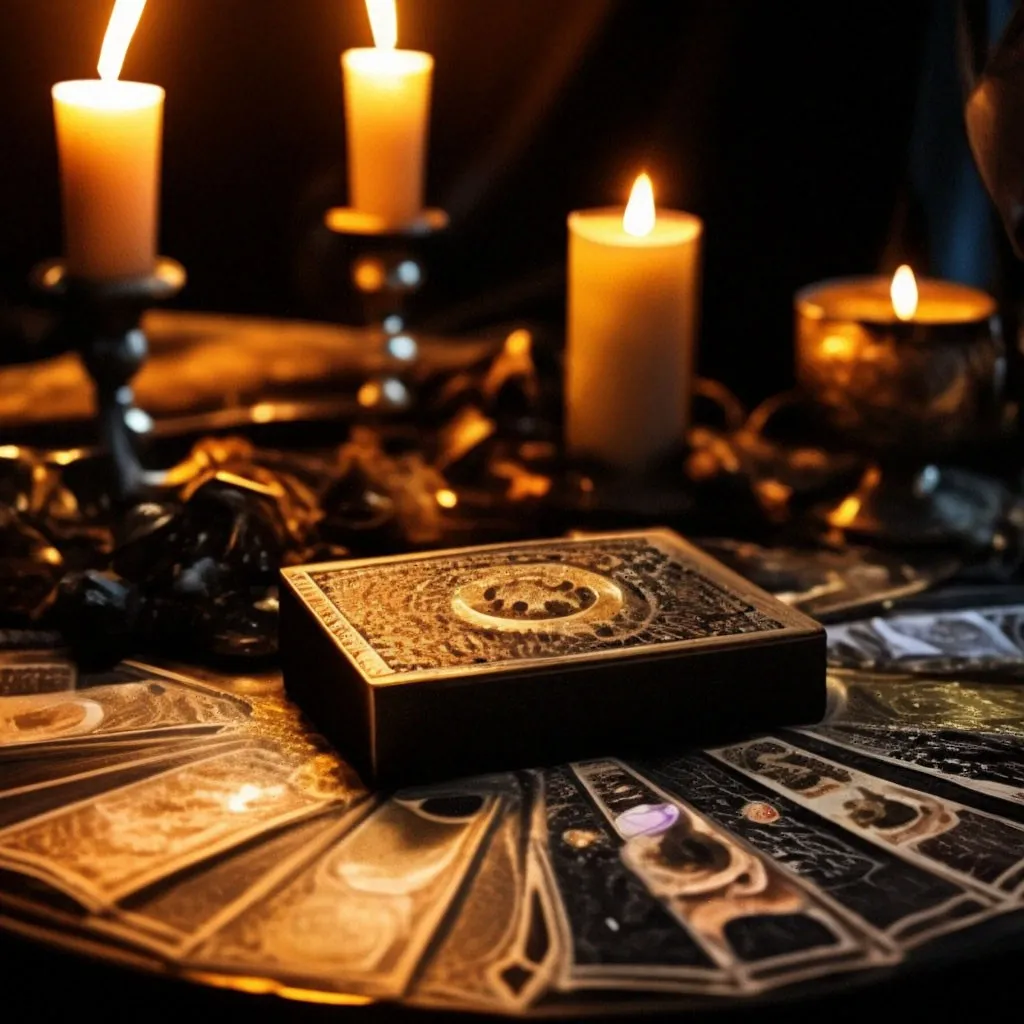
459,662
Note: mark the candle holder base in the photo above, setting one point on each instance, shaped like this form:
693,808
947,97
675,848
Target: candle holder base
101,321
592,495
926,505
344,220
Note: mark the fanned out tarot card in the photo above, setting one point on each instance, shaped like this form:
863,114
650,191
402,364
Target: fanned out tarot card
914,702
827,583
500,951
173,916
77,762
73,781
103,848
991,763
971,787
962,642
613,932
72,938
217,835
983,850
757,926
900,903
359,916
133,703
25,672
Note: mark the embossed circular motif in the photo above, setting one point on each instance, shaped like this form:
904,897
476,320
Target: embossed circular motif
535,597
36,718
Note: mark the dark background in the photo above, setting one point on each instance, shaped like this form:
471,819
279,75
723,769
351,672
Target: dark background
815,139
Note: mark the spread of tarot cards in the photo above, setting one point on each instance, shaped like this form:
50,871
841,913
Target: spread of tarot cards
193,825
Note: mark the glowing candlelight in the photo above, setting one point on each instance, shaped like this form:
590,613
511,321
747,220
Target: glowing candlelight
383,23
903,293
640,217
124,20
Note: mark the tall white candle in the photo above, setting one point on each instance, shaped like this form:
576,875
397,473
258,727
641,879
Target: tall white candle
109,139
387,113
634,280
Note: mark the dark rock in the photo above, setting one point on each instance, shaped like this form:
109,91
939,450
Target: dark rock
30,568
98,615
147,539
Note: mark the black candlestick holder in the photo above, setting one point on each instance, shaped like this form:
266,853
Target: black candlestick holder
101,320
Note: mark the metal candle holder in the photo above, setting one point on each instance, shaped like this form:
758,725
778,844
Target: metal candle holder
101,321
911,397
387,270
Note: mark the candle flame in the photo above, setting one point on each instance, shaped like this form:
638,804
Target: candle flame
638,220
384,23
903,293
124,20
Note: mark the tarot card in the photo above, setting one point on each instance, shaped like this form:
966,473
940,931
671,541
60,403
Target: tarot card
27,672
63,935
499,953
32,900
990,764
21,803
40,640
899,902
613,933
917,703
101,850
358,917
174,916
946,642
982,850
71,763
982,796
129,703
263,683
754,920
826,583
1009,620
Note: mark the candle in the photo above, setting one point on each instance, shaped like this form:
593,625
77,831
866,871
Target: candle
109,140
902,299
387,110
634,278
900,362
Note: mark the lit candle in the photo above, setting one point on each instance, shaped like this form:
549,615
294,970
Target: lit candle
109,140
387,111
926,354
634,279
902,299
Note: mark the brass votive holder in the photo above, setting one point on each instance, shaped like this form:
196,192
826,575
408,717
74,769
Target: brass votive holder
910,395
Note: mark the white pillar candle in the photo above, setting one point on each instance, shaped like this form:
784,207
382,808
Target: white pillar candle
387,113
634,280
108,135
109,139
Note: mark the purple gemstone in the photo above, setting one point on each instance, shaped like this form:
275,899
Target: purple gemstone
646,820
